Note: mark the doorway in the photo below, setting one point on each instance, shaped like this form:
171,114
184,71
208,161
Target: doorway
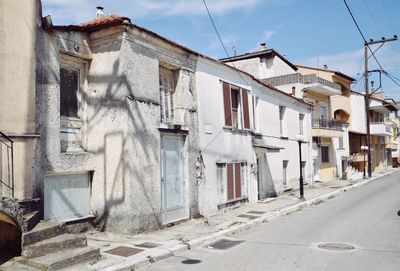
172,181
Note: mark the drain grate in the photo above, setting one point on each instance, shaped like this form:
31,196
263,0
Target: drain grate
248,216
148,245
336,246
124,251
256,212
223,244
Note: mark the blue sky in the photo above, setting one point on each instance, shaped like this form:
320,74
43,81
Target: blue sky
308,32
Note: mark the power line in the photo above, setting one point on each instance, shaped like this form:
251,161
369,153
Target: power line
366,43
220,40
372,16
387,16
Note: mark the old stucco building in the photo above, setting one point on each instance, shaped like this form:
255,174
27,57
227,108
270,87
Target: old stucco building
117,117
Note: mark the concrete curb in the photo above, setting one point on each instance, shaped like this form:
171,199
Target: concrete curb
168,251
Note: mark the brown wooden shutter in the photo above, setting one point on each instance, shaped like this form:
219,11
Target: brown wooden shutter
227,104
246,118
230,182
238,181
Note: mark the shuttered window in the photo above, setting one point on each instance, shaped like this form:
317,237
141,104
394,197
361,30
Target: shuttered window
227,104
234,180
246,117
236,106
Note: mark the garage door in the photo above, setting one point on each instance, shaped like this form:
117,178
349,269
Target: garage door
66,196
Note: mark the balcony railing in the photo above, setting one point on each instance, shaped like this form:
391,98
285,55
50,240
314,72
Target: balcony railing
304,79
380,128
328,124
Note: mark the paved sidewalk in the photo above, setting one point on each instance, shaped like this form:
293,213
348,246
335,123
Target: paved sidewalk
167,242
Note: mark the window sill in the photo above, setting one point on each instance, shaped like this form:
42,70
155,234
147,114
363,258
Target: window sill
236,130
173,128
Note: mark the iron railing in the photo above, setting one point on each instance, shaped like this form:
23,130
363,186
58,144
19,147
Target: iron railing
328,124
7,162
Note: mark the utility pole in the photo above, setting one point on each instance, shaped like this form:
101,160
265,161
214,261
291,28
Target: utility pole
367,95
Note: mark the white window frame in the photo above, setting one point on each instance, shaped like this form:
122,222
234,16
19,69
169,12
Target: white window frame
282,121
71,138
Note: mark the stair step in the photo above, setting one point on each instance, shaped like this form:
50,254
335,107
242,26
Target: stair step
63,259
29,205
14,266
31,219
54,244
42,231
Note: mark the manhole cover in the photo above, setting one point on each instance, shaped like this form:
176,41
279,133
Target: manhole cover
336,246
248,216
148,245
224,244
256,212
124,251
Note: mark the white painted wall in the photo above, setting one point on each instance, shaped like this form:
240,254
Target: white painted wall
223,145
358,117
216,143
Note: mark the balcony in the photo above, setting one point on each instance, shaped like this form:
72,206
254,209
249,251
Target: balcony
357,157
311,82
327,128
380,129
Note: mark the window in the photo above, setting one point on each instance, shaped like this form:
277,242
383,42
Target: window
167,87
323,111
69,92
282,121
234,180
341,143
73,75
285,177
325,154
236,106
255,115
301,124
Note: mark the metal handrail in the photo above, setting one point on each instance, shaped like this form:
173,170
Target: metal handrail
10,162
328,123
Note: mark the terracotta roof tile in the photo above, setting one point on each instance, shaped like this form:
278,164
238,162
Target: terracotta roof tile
104,21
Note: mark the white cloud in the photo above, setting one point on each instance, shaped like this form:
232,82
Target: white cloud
268,34
75,11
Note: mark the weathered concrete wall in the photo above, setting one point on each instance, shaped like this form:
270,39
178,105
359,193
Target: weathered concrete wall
120,122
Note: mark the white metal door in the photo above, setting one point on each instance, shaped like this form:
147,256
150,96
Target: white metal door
172,182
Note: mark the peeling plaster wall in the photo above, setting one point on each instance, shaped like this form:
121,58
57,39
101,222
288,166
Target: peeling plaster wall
121,121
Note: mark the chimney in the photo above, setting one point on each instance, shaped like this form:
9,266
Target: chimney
325,67
263,47
99,12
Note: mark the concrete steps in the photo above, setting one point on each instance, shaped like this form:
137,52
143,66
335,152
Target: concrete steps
63,259
57,243
15,266
42,231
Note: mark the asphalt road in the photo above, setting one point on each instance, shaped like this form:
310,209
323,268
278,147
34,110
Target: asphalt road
365,218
